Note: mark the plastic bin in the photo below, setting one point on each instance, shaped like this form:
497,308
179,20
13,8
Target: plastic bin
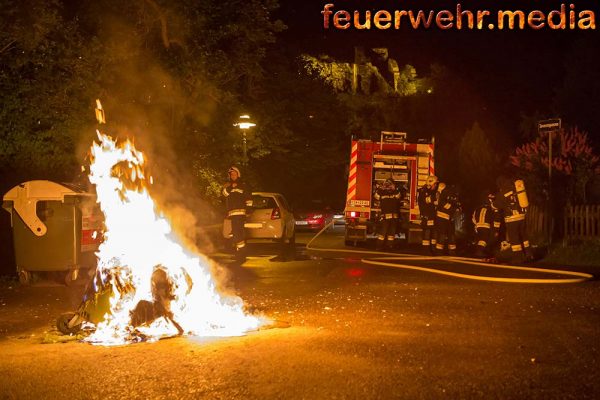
56,228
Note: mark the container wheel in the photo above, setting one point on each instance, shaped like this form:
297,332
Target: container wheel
25,277
71,277
62,323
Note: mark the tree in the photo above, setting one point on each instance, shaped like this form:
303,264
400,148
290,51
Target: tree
173,74
47,88
478,164
573,164
309,140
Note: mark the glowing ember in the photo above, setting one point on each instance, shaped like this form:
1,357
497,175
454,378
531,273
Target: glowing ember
158,288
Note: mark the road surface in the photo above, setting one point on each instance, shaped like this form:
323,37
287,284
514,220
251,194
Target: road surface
356,332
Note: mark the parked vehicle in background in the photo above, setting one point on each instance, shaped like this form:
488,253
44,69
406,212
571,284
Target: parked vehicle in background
339,217
313,216
269,219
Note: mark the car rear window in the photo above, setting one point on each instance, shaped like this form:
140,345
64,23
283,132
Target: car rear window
262,202
283,202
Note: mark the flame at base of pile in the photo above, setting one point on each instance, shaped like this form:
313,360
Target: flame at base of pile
157,288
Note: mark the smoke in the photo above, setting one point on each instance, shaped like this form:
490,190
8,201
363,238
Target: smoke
164,112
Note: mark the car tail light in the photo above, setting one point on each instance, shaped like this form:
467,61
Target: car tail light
276,213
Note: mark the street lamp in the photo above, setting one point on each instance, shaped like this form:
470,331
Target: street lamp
244,124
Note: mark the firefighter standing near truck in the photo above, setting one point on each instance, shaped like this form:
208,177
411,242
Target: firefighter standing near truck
512,200
487,220
238,197
389,200
447,205
427,200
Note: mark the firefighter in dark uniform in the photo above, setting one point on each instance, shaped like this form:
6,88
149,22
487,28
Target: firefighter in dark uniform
427,199
389,201
447,205
487,220
238,197
512,200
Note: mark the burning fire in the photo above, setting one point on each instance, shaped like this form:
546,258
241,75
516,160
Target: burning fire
158,287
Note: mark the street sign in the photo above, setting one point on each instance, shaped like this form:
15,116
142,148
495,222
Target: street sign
549,125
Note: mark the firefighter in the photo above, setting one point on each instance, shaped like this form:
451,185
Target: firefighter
447,205
427,199
389,201
238,197
487,220
512,200
403,202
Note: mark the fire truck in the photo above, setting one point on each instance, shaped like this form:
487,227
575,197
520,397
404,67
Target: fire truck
373,162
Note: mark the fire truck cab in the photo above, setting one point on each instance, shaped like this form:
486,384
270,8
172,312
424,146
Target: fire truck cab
371,163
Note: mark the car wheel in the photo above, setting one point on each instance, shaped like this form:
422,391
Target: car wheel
285,245
291,247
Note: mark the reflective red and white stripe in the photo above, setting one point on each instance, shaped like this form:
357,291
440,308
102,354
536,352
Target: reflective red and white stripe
353,171
428,149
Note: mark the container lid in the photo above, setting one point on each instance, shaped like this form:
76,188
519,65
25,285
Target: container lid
24,198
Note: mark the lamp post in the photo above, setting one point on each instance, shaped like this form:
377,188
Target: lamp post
244,124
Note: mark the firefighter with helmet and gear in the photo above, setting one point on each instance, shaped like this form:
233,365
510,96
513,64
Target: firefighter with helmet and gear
427,199
389,200
512,200
237,197
447,205
487,220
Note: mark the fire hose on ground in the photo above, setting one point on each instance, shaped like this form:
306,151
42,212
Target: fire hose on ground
388,259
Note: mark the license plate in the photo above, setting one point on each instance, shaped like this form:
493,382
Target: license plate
359,203
301,223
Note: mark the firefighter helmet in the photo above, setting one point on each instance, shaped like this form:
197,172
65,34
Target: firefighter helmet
432,180
234,169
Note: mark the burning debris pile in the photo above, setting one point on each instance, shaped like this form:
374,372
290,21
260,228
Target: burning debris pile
155,287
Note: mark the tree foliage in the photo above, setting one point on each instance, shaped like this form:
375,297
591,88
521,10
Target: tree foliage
477,161
46,76
573,162
310,137
175,75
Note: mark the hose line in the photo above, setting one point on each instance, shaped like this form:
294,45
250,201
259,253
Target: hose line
398,260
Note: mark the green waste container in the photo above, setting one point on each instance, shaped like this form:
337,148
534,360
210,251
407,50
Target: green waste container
56,228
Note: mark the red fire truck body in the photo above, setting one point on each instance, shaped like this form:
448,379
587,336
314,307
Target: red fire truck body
371,163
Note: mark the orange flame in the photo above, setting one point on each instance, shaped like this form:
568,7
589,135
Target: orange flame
138,242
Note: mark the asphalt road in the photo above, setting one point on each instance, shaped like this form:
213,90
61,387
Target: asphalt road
356,331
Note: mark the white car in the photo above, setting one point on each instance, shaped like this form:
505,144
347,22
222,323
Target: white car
269,218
